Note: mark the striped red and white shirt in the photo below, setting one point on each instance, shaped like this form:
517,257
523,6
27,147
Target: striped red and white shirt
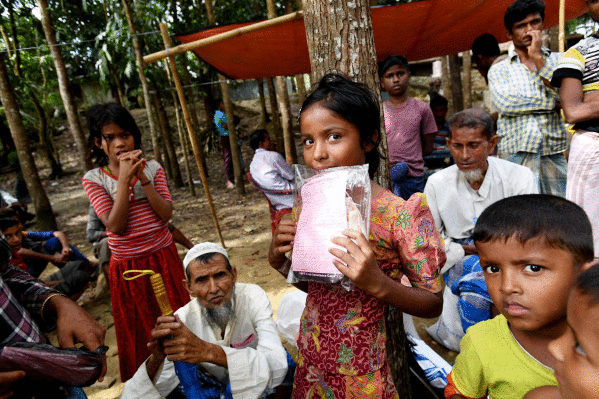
144,232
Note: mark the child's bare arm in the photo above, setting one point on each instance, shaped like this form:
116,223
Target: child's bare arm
428,144
27,253
64,241
162,207
358,263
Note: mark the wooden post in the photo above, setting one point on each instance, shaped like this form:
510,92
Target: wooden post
263,114
562,25
189,125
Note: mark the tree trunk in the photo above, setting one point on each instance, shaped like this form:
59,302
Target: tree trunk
45,144
301,88
283,96
467,79
161,122
144,83
183,140
171,150
65,89
276,120
264,119
119,90
41,203
344,43
237,170
192,106
455,77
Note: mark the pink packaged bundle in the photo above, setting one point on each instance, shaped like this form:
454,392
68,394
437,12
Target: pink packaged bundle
328,202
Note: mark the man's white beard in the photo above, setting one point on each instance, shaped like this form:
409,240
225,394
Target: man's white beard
221,316
474,176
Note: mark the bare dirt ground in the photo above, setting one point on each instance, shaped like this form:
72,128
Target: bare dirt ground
244,222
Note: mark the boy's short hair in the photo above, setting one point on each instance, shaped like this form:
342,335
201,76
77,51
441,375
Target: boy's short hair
439,101
392,60
8,213
520,9
588,283
561,223
256,137
7,223
485,45
473,118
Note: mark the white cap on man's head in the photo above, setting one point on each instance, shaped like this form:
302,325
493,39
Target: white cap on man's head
202,249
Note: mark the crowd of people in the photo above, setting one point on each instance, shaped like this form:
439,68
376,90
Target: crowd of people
501,245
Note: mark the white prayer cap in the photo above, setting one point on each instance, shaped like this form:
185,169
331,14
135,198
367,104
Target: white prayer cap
202,249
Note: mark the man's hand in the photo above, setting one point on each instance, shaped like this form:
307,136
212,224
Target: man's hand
6,379
76,325
534,50
185,346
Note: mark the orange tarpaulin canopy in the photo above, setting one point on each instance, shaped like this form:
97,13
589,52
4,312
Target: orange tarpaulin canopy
419,30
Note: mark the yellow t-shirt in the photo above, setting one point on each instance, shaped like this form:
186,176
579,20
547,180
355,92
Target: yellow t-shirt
492,362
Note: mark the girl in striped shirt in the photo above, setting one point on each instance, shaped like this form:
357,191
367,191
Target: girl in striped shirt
130,196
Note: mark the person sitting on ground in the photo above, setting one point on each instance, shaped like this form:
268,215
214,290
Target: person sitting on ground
577,351
71,279
55,248
227,328
96,234
410,127
270,171
457,196
532,249
220,121
34,307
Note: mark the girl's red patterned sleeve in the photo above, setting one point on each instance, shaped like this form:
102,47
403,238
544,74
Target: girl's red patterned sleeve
98,197
423,252
161,185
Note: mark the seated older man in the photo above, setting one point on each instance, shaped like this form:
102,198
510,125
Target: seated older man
224,340
457,196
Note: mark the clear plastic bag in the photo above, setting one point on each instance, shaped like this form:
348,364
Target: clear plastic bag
327,202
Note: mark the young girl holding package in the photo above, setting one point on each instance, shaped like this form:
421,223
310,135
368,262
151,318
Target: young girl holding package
342,333
130,196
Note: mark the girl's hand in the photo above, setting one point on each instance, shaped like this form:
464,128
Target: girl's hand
129,162
282,242
359,262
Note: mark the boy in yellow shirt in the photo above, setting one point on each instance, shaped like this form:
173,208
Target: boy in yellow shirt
531,248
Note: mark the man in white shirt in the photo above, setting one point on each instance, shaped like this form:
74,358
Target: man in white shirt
227,330
457,195
270,171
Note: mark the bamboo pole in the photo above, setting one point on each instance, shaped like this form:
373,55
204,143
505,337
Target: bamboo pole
188,124
222,36
562,25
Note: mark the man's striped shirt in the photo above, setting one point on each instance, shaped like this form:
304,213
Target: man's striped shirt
528,118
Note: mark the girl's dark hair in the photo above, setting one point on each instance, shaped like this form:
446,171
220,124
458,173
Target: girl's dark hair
101,115
588,283
561,223
355,103
521,9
